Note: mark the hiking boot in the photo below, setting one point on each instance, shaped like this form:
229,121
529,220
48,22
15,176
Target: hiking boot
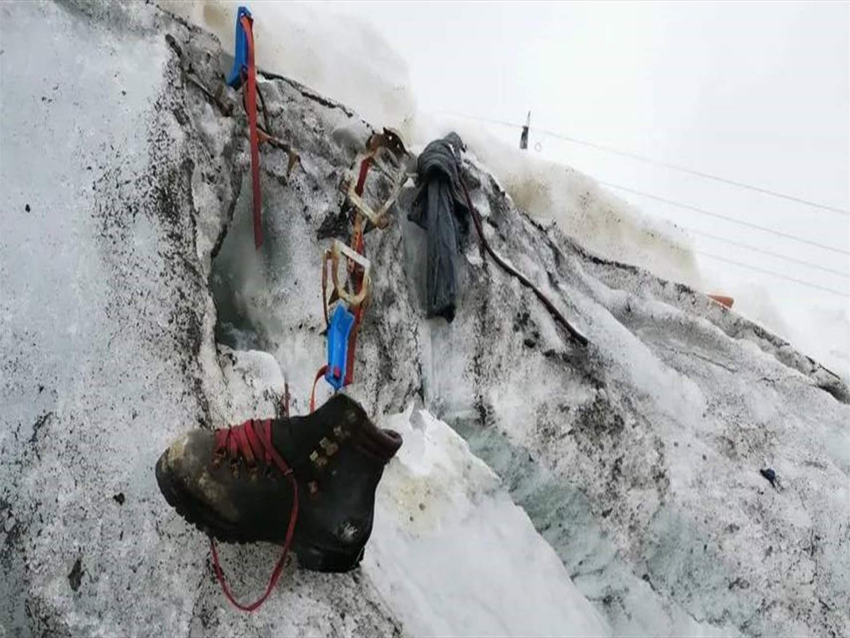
239,484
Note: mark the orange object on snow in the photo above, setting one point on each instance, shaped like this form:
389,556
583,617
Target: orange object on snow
723,300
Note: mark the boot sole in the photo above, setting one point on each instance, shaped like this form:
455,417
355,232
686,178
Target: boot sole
206,521
320,560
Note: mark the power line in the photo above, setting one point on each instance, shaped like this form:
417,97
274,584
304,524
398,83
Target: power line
732,220
481,119
699,210
766,252
775,274
682,169
667,165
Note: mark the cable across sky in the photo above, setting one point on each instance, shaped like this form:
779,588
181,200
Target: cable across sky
732,220
655,162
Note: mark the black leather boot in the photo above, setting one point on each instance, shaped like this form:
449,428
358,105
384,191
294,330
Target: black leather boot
239,484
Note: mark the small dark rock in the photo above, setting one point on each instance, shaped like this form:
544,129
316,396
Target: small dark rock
770,475
739,583
521,320
528,342
119,498
27,208
173,44
335,225
75,578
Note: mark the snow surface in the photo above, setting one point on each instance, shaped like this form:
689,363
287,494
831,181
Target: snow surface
107,341
456,556
636,460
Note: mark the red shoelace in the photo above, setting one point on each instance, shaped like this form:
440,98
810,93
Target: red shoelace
252,441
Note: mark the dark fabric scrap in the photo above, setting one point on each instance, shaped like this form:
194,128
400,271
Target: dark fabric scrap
440,209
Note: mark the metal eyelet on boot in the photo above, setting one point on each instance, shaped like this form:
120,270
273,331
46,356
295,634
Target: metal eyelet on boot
318,460
218,457
328,446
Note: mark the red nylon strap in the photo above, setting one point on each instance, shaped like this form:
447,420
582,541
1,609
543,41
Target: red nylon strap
243,441
319,375
260,439
361,178
352,346
251,107
255,442
357,280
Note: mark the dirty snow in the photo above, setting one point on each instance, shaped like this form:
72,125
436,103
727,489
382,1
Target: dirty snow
621,482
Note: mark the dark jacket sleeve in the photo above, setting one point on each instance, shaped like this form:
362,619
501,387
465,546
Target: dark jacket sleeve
438,208
438,160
